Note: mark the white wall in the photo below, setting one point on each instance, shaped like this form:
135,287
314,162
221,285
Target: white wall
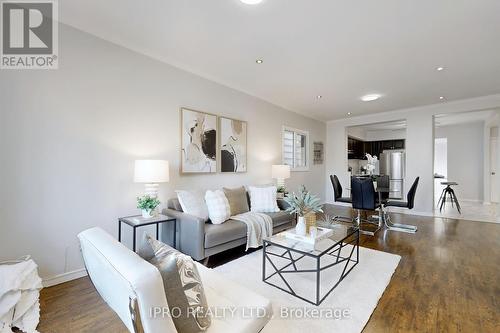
376,135
492,123
441,156
385,135
465,158
419,143
357,132
69,138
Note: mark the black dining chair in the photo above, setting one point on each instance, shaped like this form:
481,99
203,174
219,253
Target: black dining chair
364,198
409,204
337,190
337,196
383,181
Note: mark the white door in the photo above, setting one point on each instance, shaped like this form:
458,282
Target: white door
493,169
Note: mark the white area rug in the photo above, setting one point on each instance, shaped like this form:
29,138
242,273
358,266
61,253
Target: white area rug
356,296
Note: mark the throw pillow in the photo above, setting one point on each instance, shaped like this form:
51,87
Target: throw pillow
237,198
193,203
263,199
218,206
183,288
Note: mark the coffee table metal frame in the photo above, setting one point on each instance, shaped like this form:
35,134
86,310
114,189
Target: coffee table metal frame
352,238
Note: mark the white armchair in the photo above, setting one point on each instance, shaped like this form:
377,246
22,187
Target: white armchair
125,280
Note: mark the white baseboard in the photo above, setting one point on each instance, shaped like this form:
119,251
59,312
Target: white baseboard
64,277
471,200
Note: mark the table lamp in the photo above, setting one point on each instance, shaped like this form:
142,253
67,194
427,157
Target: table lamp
280,173
151,173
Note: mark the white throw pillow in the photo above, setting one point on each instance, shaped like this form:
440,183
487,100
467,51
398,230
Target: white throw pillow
193,203
263,199
219,210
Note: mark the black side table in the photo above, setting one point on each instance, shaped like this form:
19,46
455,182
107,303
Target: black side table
139,221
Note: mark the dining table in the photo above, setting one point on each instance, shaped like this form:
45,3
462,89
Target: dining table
383,216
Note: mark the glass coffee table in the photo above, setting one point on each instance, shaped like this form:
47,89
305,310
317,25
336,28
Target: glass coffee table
298,268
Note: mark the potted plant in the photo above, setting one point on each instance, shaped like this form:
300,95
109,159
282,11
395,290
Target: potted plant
147,205
302,204
281,190
372,163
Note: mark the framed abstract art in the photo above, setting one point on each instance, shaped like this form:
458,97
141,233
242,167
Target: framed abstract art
198,142
233,145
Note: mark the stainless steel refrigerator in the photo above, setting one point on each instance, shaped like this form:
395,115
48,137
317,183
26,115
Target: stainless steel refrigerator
392,163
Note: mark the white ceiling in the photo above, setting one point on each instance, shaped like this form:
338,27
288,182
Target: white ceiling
338,49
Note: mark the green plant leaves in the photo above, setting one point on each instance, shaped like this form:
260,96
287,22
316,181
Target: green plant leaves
147,202
303,203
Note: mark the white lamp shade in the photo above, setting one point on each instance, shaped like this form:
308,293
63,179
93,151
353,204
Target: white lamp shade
281,171
151,171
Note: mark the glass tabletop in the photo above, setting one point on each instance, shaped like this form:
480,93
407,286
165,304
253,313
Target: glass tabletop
380,189
340,233
138,220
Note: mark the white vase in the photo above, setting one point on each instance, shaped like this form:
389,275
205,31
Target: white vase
147,214
300,228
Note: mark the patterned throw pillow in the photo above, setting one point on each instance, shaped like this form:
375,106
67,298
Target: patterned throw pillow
183,288
193,203
263,199
218,206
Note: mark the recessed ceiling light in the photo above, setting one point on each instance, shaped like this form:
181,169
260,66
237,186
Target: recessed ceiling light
319,97
439,69
441,97
370,97
251,2
259,61
349,113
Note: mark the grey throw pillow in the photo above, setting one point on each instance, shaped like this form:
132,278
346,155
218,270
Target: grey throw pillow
238,201
183,287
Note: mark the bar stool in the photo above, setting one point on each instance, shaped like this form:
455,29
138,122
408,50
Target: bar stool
448,191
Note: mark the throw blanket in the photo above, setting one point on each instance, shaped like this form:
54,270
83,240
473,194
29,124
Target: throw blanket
259,225
19,291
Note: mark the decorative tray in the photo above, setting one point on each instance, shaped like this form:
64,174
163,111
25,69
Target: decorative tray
321,234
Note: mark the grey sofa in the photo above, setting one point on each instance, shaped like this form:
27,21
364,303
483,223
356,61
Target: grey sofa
200,239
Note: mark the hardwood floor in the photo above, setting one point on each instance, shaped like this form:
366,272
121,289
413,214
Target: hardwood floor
447,281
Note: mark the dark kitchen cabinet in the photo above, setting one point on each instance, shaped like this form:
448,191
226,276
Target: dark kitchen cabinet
355,149
358,149
377,148
351,143
367,148
399,144
394,144
388,144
